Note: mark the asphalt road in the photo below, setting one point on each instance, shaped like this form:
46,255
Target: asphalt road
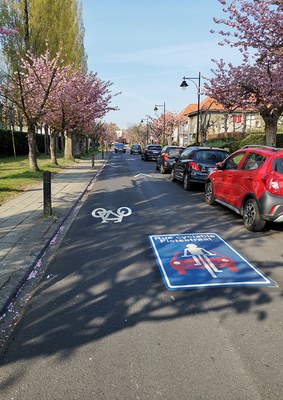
103,326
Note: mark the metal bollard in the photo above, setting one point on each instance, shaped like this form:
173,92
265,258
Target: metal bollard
92,161
102,154
47,193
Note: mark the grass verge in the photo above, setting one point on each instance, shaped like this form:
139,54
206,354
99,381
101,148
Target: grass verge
15,176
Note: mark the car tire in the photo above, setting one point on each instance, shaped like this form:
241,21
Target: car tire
187,183
162,169
252,217
172,176
209,195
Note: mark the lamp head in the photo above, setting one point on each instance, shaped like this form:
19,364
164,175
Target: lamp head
184,84
155,108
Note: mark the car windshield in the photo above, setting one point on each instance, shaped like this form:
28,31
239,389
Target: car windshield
119,145
175,151
211,156
136,146
278,165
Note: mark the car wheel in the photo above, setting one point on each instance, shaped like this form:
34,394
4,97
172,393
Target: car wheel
251,216
209,195
186,182
172,176
162,169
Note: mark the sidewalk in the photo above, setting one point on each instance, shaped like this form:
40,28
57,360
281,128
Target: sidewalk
25,234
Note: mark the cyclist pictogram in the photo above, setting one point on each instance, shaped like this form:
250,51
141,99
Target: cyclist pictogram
111,216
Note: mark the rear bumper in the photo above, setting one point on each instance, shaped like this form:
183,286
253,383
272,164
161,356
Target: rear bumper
197,176
271,207
151,156
168,164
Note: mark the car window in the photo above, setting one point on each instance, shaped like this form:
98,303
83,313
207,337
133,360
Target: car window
186,154
175,151
277,165
233,161
211,156
253,161
154,147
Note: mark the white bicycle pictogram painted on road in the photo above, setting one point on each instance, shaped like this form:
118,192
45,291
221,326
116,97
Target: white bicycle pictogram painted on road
108,216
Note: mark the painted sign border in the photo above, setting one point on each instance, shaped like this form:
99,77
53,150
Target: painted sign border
265,281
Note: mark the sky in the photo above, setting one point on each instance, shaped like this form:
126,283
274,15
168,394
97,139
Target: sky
145,47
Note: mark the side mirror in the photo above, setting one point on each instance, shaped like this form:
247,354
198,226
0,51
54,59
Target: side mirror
219,165
177,158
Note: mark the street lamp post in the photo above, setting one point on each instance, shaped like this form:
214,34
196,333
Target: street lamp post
147,130
183,86
164,120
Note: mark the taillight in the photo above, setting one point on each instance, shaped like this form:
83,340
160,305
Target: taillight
165,157
194,165
273,184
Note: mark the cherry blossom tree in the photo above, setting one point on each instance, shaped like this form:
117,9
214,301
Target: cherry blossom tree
256,28
164,124
257,87
78,101
137,133
28,89
108,133
255,24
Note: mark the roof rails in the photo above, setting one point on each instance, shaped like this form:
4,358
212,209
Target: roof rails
262,147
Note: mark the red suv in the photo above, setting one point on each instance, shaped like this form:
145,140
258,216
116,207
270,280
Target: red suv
250,182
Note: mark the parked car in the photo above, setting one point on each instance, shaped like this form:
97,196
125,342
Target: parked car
120,148
250,182
167,157
195,163
135,149
151,152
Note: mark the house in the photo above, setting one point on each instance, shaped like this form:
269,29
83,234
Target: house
214,121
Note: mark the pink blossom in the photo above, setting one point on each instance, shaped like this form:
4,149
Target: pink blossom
7,31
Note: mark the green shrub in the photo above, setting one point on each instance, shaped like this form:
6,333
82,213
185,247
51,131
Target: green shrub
251,139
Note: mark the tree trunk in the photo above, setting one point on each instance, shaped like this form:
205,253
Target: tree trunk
46,139
77,146
32,148
270,119
53,137
62,136
68,151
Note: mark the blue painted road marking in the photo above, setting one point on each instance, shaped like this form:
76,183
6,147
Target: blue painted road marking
199,260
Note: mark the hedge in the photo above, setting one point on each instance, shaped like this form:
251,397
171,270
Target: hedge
21,143
253,139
